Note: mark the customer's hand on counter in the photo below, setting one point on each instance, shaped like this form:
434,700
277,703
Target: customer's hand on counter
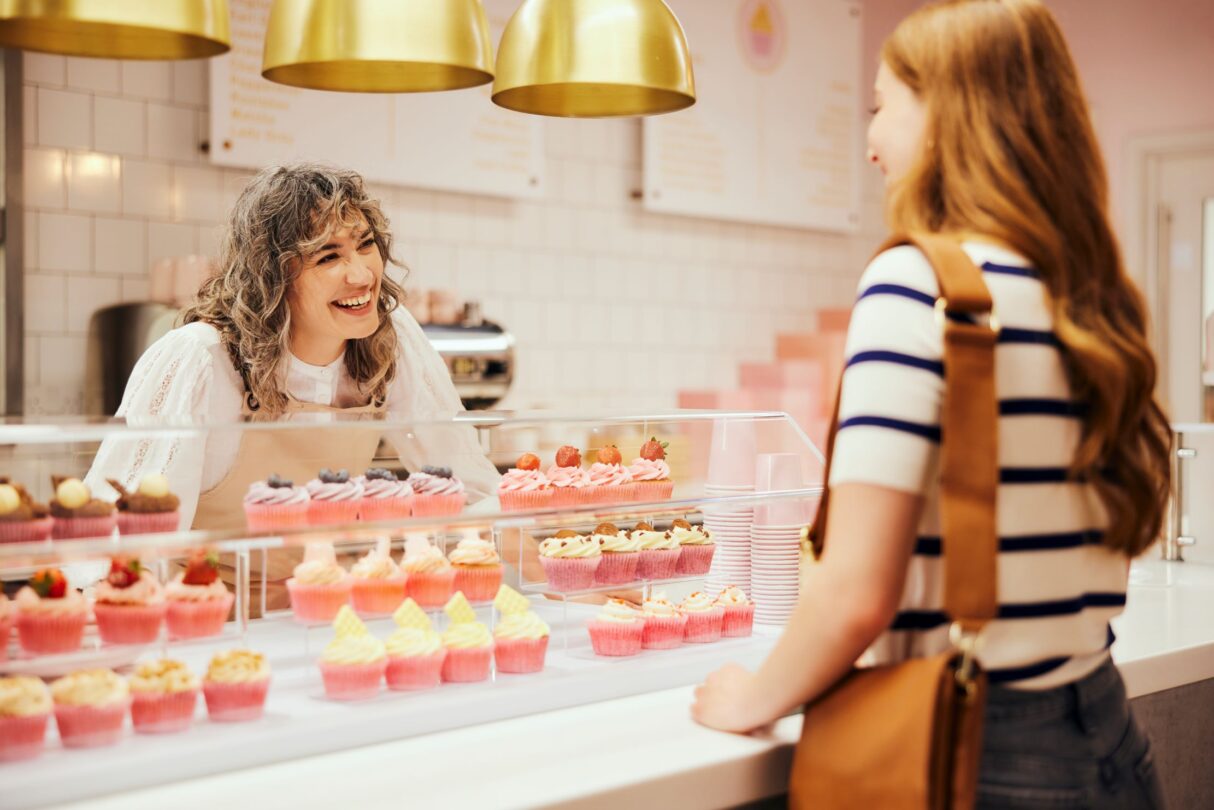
727,701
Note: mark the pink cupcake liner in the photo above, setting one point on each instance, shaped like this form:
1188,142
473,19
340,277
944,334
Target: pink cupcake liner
695,560
617,568
262,517
467,665
129,624
372,509
91,726
22,737
378,596
431,589
663,632
739,621
479,583
353,681
616,638
198,619
703,626
520,655
520,501
78,527
570,574
417,672
574,496
652,491
658,563
235,702
26,531
329,513
45,633
318,604
438,505
168,713
612,494
148,522
6,625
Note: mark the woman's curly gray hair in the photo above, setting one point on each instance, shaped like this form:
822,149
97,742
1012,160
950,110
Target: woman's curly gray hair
284,215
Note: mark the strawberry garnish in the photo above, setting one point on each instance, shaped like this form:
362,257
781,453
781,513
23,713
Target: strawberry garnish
610,455
49,583
653,449
202,569
124,572
568,457
528,461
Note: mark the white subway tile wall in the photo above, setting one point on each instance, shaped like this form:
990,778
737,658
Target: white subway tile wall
613,307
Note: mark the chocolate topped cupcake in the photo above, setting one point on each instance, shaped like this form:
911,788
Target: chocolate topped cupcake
22,519
150,508
77,513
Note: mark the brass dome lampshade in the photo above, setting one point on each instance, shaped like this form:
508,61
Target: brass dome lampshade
117,29
594,59
378,46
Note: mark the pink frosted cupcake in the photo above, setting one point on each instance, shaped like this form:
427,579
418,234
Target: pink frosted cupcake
520,639
617,630
610,478
620,555
378,582
739,618
569,482
130,604
163,696
478,569
696,548
352,665
77,513
334,498
570,561
21,519
524,486
198,600
431,577
651,474
150,509
8,617
384,496
90,708
50,615
275,504
25,708
236,685
664,624
437,492
704,619
659,553
468,643
320,587
415,652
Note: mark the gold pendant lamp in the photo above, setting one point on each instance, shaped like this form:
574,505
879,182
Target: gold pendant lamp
117,29
594,59
378,46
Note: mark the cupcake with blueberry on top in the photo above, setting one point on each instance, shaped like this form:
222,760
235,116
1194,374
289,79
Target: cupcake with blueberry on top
276,503
385,497
334,498
437,492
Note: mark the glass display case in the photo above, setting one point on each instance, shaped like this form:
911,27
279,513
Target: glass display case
745,482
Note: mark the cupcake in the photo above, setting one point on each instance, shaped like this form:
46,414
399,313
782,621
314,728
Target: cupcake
468,643
236,685
611,480
334,498
21,519
431,577
8,617
704,618
617,630
90,708
664,624
415,651
50,615
130,604
696,548
659,552
163,696
25,708
570,483
520,639
478,569
620,555
524,486
320,587
651,474
198,600
385,497
739,618
150,508
437,492
570,560
378,582
77,513
353,663
275,504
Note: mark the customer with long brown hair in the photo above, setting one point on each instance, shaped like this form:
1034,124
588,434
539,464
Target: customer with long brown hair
983,133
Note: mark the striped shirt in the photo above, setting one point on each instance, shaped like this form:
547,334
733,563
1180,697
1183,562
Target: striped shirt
1058,587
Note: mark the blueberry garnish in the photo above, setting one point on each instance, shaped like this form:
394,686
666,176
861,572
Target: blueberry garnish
279,483
438,472
380,474
329,477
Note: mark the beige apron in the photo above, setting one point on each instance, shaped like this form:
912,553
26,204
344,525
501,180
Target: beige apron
296,454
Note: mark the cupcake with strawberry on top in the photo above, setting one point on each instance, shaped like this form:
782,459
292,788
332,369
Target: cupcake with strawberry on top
130,603
650,473
570,483
610,478
50,615
524,486
198,600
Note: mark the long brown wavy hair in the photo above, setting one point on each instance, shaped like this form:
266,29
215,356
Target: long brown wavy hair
1010,154
284,215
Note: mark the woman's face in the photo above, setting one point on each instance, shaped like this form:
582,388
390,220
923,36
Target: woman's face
335,292
899,122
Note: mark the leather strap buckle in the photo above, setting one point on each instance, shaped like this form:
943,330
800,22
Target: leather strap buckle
988,319
967,642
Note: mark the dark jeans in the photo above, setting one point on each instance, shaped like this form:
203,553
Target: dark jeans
1075,746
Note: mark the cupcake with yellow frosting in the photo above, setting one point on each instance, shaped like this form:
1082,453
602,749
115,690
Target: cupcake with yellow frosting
379,584
570,560
353,663
696,548
663,623
163,696
50,614
149,509
620,552
22,520
659,552
704,618
739,618
478,569
617,630
520,639
415,651
25,708
468,643
236,685
320,587
90,707
431,577
77,513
